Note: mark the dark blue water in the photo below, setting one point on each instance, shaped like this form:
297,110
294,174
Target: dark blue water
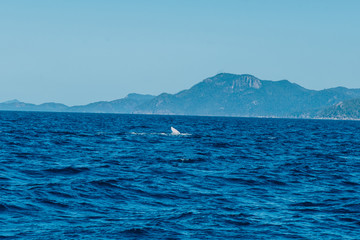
103,176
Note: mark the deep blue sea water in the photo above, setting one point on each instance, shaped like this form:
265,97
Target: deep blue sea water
108,176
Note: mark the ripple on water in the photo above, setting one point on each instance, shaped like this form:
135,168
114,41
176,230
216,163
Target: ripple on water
106,176
67,170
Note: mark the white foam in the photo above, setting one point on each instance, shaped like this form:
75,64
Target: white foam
135,133
160,133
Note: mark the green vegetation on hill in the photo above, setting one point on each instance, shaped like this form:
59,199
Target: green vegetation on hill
349,109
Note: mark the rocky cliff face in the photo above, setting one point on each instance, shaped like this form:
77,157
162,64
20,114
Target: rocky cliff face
234,83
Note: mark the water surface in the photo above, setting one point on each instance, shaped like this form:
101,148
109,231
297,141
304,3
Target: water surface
108,176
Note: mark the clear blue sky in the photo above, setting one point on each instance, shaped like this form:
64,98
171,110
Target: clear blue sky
81,51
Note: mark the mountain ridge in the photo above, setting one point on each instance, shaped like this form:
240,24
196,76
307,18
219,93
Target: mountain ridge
224,94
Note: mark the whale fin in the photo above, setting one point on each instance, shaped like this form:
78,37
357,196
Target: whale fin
174,131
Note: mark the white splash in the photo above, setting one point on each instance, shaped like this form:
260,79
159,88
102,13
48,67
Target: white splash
174,131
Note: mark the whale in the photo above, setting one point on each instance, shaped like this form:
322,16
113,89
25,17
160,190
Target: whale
174,131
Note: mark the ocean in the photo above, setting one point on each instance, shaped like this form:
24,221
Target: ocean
113,176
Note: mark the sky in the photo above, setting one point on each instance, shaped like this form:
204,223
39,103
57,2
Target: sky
81,51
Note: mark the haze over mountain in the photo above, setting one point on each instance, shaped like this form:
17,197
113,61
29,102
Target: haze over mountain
221,95
123,105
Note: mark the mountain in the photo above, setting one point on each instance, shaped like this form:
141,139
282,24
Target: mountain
15,105
224,94
245,95
123,105
12,101
349,109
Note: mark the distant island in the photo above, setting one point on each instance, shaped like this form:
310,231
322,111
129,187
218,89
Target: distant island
225,95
